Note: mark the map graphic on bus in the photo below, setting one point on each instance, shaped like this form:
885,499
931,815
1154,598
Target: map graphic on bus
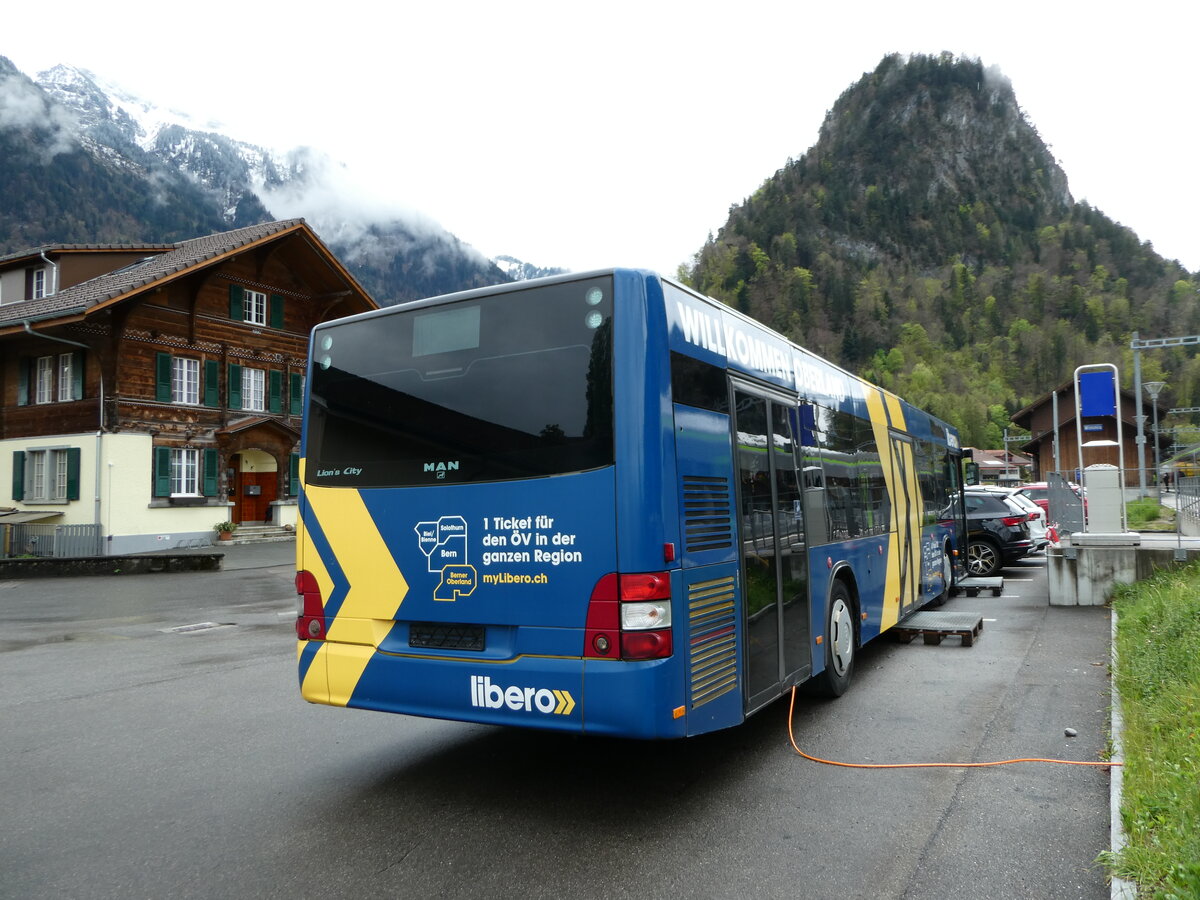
444,544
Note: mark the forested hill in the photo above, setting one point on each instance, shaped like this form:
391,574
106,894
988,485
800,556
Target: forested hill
929,242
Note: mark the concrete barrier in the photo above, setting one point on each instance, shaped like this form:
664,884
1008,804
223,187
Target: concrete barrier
1085,571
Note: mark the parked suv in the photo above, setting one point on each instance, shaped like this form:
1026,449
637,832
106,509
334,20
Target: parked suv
997,531
1037,516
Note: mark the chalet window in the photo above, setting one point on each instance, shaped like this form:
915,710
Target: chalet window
177,380
44,380
255,307
37,286
185,380
253,383
185,472
36,378
48,475
66,378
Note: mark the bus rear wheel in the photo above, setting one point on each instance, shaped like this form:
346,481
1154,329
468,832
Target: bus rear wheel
840,645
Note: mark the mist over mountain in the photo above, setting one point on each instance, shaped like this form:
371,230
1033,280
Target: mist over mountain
86,162
929,241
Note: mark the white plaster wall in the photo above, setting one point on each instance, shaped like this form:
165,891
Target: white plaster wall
130,519
74,512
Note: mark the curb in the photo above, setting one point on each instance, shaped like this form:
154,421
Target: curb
1120,889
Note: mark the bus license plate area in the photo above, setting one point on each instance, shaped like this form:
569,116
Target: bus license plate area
442,636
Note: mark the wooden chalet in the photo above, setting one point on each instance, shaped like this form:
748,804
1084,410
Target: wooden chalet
153,390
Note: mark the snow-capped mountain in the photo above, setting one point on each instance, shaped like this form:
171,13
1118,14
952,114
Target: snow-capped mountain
517,270
396,254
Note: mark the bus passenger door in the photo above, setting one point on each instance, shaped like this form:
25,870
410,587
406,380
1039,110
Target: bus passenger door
773,548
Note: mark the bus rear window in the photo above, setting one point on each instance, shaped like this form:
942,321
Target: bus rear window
512,385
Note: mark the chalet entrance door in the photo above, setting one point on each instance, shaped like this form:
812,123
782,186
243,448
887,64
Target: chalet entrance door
256,491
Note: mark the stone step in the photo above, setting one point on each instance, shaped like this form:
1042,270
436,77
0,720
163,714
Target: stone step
260,534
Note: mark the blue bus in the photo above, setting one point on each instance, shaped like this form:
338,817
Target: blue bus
603,503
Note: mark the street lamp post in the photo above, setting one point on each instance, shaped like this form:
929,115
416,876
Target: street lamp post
1154,388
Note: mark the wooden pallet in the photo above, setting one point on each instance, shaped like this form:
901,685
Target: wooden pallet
933,627
972,587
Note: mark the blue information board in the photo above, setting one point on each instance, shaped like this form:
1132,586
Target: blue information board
1097,394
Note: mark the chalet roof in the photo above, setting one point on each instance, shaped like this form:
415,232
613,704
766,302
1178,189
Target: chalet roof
158,267
252,422
996,458
35,253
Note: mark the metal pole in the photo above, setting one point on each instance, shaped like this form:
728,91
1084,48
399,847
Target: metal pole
1154,388
1054,413
1141,433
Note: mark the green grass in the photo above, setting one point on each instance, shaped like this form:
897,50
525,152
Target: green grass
1158,676
1146,515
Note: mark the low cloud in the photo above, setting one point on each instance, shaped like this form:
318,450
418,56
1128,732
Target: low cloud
25,107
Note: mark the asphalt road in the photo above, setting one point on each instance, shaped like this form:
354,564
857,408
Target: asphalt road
140,762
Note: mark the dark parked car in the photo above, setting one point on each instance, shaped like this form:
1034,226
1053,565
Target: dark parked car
997,532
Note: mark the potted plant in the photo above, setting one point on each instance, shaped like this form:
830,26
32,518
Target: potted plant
224,530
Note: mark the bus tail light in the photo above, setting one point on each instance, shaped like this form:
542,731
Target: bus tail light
310,617
629,617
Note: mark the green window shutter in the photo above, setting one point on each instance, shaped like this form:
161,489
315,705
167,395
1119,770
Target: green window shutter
23,385
73,473
275,391
294,475
212,374
295,394
276,315
162,377
162,471
77,375
237,297
18,484
235,386
209,488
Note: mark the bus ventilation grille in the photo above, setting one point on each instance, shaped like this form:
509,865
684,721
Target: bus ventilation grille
706,519
436,636
713,647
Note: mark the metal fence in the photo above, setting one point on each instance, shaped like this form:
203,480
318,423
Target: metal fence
1188,497
1066,507
54,541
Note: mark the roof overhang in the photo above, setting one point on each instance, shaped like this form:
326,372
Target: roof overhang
25,516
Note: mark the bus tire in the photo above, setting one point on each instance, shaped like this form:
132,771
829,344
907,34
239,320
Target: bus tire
840,643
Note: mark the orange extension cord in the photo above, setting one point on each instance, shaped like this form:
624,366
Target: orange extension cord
978,765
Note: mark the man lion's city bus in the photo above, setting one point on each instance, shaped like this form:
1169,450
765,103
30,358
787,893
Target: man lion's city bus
603,503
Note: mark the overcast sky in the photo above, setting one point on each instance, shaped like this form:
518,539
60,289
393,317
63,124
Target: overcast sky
591,135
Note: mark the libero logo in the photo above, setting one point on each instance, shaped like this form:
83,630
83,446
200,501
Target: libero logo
487,695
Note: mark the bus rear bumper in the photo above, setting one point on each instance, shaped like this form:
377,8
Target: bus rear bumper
595,697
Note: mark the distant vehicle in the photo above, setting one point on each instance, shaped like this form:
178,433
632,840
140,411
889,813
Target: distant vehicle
997,531
1039,493
1038,528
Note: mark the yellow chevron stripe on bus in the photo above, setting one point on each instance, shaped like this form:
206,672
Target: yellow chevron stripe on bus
315,686
903,552
377,587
